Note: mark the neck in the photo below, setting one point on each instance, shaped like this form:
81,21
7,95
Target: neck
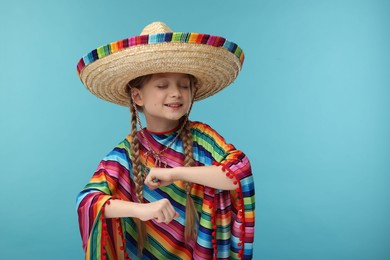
161,126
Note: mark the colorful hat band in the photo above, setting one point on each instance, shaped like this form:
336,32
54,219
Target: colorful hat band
180,37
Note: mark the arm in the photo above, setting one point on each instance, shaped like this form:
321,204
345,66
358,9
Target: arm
211,176
161,210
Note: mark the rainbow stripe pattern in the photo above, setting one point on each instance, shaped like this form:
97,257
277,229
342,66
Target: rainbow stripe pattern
179,37
226,226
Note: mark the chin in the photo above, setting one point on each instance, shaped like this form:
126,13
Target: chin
175,118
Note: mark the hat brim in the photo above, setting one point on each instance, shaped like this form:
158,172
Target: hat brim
107,70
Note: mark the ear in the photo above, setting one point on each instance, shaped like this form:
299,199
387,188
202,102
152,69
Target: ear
137,97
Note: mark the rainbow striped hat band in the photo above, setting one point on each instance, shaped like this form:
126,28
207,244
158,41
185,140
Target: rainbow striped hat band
213,60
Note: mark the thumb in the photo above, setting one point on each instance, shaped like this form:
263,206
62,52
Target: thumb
176,215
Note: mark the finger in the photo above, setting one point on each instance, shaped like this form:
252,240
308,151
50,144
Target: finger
175,214
151,184
167,215
160,217
152,178
171,209
170,213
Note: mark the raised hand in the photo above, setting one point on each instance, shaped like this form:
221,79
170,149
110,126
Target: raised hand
158,177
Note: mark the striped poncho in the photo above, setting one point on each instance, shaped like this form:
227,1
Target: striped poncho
226,218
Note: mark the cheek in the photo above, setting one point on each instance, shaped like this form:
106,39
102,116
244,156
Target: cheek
151,105
186,93
189,96
152,101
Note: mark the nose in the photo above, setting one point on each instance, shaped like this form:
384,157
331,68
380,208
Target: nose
175,91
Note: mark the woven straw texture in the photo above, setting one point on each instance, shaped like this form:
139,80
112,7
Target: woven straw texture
213,60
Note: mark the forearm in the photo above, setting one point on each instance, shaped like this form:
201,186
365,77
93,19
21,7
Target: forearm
160,210
211,176
121,208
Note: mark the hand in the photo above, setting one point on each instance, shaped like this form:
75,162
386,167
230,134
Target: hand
161,211
158,177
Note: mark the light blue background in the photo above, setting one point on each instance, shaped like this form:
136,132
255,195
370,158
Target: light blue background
310,109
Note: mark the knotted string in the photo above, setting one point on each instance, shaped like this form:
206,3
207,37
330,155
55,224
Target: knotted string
158,162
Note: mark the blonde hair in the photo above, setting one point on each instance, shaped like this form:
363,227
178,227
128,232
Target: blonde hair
191,217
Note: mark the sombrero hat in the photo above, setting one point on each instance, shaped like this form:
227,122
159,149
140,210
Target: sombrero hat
213,60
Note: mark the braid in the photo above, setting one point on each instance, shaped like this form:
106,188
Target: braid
192,217
138,178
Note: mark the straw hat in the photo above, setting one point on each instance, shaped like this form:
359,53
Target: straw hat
213,60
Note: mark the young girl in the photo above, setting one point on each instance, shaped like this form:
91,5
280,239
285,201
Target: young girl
175,189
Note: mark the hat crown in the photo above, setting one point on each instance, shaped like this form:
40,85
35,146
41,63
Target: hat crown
156,27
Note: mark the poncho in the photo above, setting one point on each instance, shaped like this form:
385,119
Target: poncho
226,218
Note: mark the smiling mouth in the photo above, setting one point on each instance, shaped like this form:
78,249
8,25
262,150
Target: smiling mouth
173,105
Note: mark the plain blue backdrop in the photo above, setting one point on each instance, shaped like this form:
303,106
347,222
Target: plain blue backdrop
310,109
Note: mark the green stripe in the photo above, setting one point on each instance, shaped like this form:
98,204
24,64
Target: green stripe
238,52
176,37
102,186
175,193
96,241
209,143
224,233
159,251
125,145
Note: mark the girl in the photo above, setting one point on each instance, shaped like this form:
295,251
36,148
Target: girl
175,189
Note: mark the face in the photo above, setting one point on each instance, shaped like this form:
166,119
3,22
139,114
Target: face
164,99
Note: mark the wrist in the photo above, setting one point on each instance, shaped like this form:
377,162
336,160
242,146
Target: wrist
177,173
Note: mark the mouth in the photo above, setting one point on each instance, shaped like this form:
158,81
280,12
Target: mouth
173,105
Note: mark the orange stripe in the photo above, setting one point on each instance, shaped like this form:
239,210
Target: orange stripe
168,244
193,38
